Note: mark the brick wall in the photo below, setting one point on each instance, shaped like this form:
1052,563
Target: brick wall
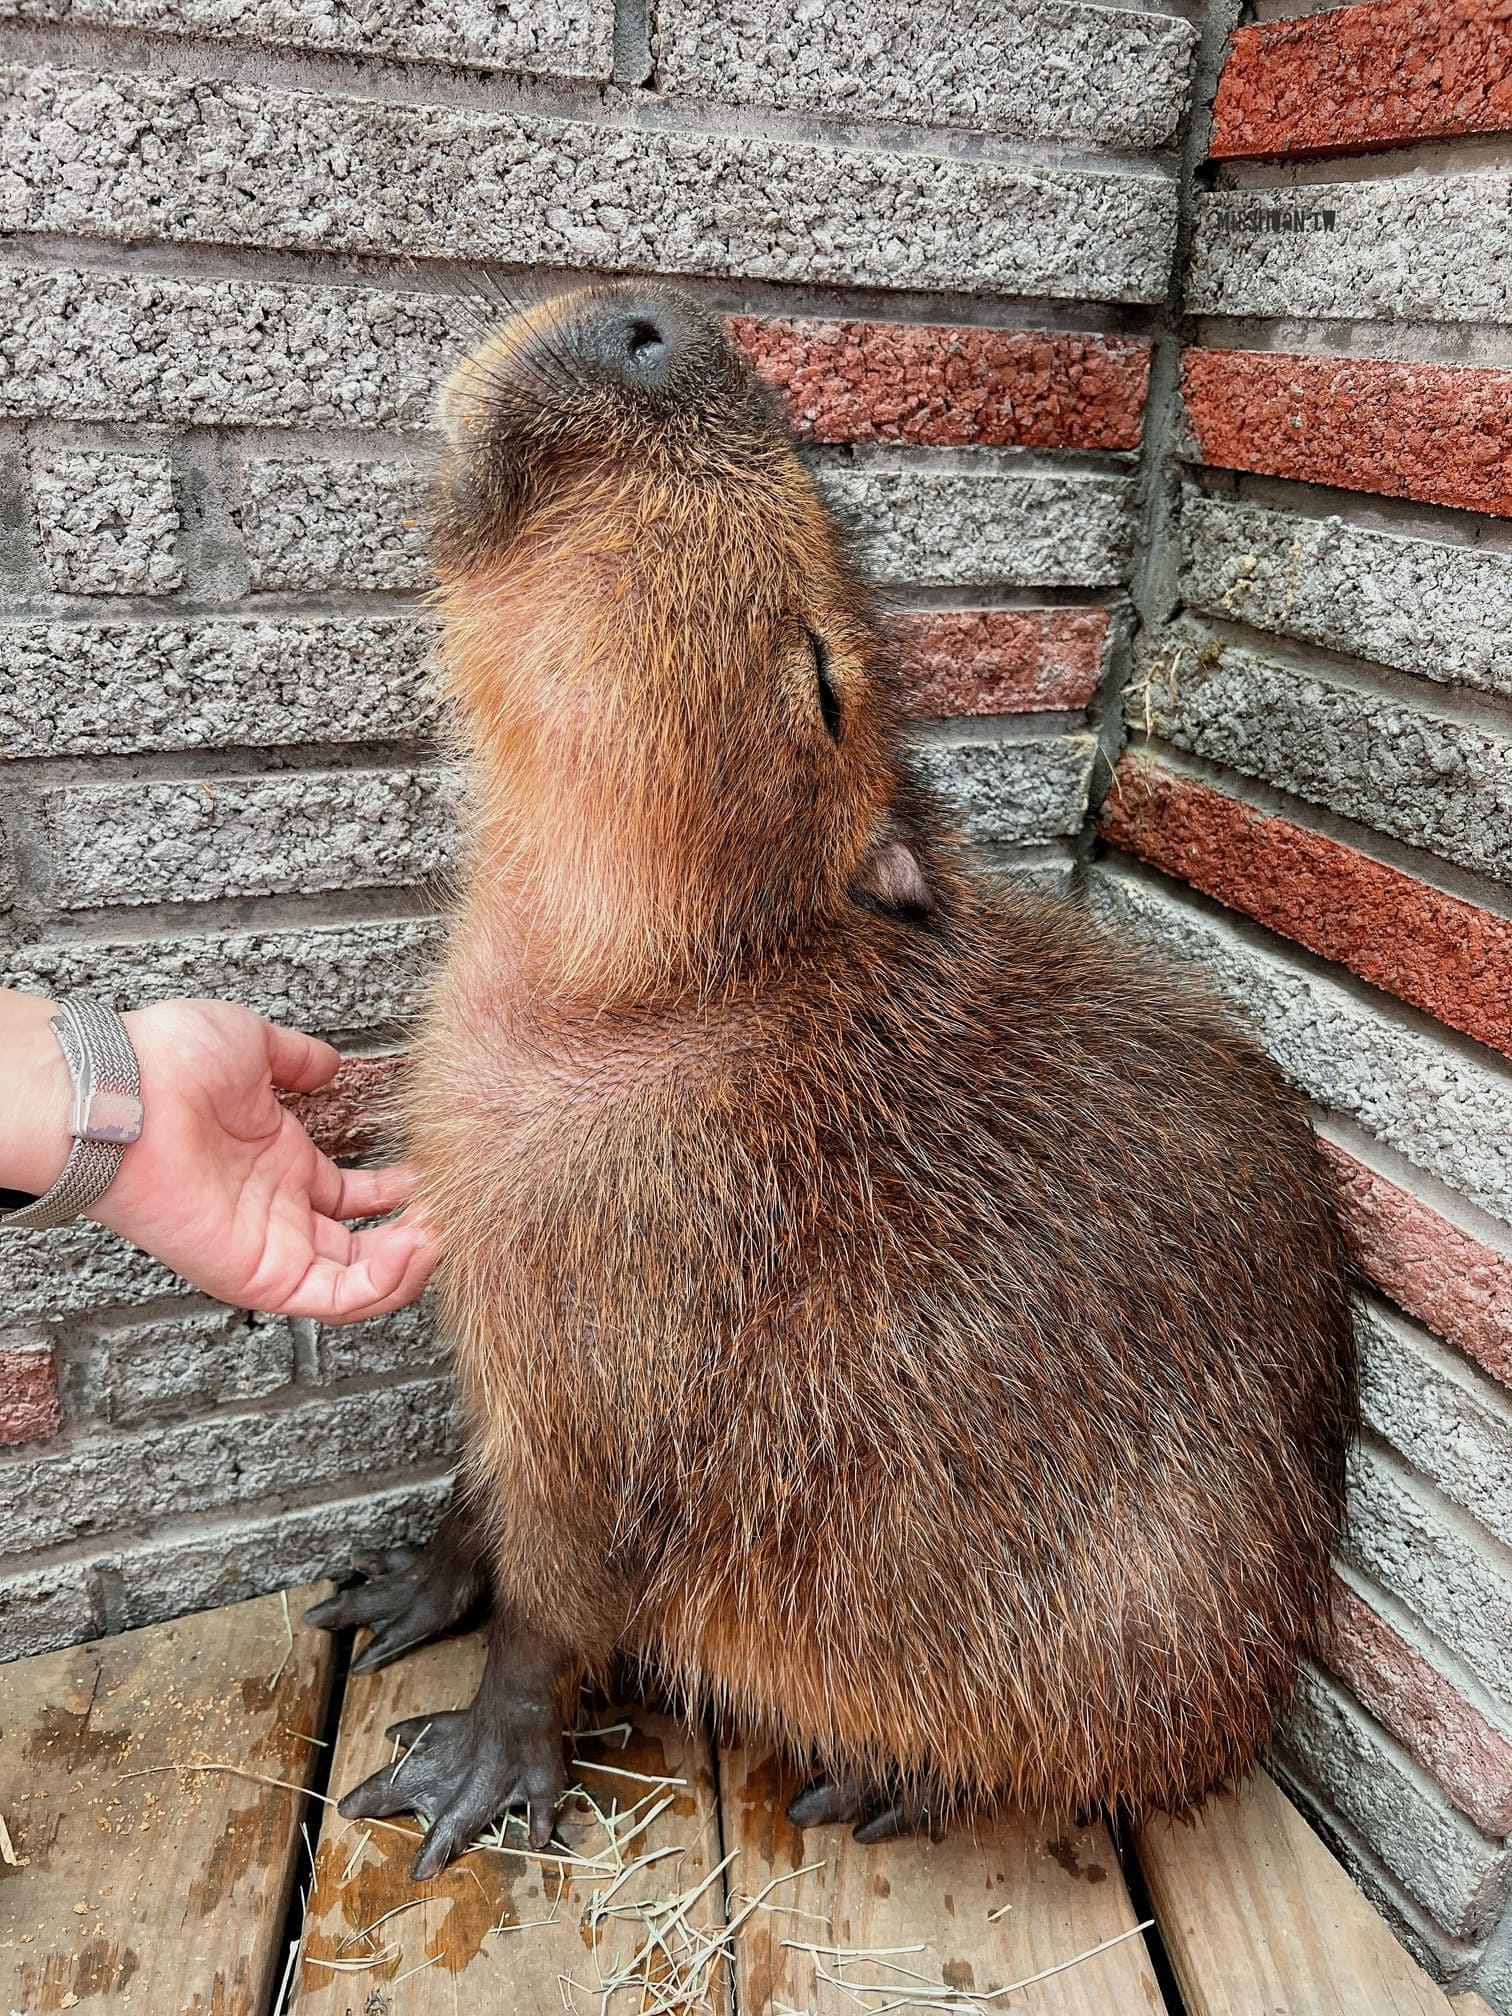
1147,487
1313,803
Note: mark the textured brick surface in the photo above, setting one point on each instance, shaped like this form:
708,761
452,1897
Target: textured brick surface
181,1364
350,1116
1406,430
198,1570
349,524
29,1403
192,840
128,346
101,1483
952,387
107,524
1446,956
42,1608
78,689
1451,1423
1012,792
319,977
1423,777
1378,74
243,164
572,38
1439,1109
1442,1860
1460,1287
1452,1740
1048,72
344,523
406,1340
1435,1561
1000,661
1442,611
921,529
1444,264
70,1269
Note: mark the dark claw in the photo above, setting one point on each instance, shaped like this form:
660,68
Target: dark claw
462,1769
904,1816
408,1599
826,1801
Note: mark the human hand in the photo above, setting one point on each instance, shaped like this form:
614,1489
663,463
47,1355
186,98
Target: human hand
227,1188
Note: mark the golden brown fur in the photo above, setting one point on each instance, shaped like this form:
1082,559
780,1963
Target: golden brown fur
925,1330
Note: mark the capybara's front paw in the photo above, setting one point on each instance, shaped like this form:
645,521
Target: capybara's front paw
407,1600
461,1770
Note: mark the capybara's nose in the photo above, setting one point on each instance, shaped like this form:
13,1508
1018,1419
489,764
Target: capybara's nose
630,341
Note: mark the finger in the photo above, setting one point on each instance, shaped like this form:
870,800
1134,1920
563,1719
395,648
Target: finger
448,1838
387,1645
382,1268
410,1730
348,1610
368,1193
299,1063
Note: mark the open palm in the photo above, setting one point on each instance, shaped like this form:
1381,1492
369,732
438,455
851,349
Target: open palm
227,1188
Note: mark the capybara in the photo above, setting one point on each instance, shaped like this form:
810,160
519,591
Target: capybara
888,1309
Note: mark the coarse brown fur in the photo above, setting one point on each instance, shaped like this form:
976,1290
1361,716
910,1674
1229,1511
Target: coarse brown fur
888,1306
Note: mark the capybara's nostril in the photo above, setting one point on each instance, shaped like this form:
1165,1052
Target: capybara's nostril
647,344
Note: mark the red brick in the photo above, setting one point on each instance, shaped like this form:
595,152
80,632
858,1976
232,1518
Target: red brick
29,1403
1402,430
952,387
1445,956
1453,1283
348,1116
1000,661
1434,1723
1381,74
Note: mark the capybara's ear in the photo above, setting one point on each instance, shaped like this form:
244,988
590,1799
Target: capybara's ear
888,873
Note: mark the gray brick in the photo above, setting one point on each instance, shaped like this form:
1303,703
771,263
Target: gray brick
322,977
402,1341
1438,1564
80,689
1040,72
101,1483
569,38
1423,778
135,346
1012,791
44,1608
1453,1871
349,524
1438,1106
107,524
73,1269
1444,612
157,157
928,529
1419,248
178,1364
251,1557
1448,1421
191,840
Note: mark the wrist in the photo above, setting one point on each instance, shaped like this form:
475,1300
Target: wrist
36,1096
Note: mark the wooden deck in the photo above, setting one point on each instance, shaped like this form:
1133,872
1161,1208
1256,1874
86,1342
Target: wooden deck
163,1797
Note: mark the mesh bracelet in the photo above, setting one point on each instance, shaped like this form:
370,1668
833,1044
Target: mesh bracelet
107,1110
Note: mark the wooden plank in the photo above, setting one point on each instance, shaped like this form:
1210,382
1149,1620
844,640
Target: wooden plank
475,1937
1260,1920
163,1892
990,1905
1470,2005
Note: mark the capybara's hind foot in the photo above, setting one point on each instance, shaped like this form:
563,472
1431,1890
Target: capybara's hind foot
881,1816
409,1598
